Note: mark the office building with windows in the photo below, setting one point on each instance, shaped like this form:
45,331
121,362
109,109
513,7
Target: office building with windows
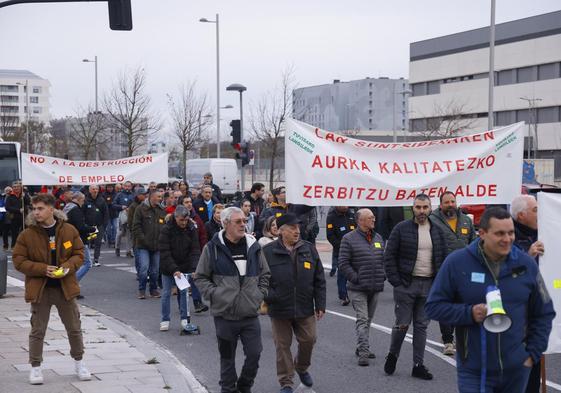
450,74
14,94
360,106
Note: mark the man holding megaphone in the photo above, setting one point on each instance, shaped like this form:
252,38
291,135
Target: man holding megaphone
495,296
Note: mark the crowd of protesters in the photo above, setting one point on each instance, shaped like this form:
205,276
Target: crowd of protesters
256,255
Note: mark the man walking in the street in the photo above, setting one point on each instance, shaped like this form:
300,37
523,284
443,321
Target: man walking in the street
120,204
139,197
296,299
216,191
111,231
361,261
233,277
339,222
459,232
458,298
17,203
149,218
524,212
49,252
75,216
414,252
97,214
255,197
204,203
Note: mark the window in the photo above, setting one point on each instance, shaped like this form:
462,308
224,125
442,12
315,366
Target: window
36,90
505,77
419,89
525,74
37,109
522,115
8,89
34,100
418,125
548,115
548,71
505,118
433,87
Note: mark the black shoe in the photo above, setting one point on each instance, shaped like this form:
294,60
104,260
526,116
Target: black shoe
332,273
79,297
129,254
345,302
243,386
421,372
286,389
306,379
389,366
371,355
117,252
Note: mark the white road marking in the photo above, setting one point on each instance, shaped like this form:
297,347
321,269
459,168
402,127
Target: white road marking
409,339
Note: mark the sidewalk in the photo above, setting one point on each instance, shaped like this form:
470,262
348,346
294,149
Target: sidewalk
117,356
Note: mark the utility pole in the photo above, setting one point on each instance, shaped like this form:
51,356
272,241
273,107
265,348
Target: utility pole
532,118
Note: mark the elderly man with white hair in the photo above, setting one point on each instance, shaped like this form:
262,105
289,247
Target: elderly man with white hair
524,212
233,276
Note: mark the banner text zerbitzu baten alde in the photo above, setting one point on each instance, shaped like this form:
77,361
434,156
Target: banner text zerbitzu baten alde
327,169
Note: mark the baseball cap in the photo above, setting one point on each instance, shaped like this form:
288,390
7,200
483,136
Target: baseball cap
287,219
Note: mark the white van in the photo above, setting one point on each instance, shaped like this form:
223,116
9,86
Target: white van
224,173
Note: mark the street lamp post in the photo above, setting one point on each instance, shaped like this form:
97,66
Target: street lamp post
532,118
217,22
491,66
26,84
240,88
96,95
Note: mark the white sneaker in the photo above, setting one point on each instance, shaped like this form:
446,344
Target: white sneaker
184,323
81,371
448,349
164,326
36,376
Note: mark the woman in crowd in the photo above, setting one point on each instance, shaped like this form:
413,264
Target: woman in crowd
270,231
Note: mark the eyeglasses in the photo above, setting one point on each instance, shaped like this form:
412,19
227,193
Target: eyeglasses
240,221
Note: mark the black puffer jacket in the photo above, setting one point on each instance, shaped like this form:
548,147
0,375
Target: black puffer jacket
95,211
76,218
400,254
297,287
337,226
179,248
362,262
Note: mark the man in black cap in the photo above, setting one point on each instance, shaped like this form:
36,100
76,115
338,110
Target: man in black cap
295,269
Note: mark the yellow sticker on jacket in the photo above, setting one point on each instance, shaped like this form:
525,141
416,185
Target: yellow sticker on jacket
67,244
278,215
352,227
378,245
464,231
556,284
161,220
307,265
329,226
201,209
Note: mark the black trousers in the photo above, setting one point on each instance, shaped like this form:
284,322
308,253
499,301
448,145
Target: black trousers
447,332
228,332
534,380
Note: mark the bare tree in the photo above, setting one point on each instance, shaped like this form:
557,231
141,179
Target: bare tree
89,132
448,120
129,110
190,116
269,115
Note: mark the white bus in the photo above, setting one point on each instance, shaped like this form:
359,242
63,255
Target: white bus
10,163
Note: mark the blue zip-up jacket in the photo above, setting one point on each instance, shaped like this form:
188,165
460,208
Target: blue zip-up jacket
462,281
124,198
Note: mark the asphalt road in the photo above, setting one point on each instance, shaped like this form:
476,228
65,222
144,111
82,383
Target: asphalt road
111,289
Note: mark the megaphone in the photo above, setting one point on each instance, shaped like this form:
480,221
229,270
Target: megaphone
496,320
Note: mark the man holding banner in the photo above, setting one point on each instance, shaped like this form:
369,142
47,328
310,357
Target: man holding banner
497,356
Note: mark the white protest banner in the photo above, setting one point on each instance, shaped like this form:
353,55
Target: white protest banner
43,170
327,169
549,228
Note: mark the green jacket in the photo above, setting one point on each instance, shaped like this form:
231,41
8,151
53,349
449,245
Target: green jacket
465,232
146,225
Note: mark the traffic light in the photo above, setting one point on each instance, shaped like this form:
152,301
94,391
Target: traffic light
120,14
236,133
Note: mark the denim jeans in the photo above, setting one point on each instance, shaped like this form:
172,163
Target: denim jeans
341,280
364,304
136,261
510,381
111,231
168,282
195,294
148,265
82,270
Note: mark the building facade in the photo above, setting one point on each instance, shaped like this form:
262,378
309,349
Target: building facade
14,96
370,104
449,75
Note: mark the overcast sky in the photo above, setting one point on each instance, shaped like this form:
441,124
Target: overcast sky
322,39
